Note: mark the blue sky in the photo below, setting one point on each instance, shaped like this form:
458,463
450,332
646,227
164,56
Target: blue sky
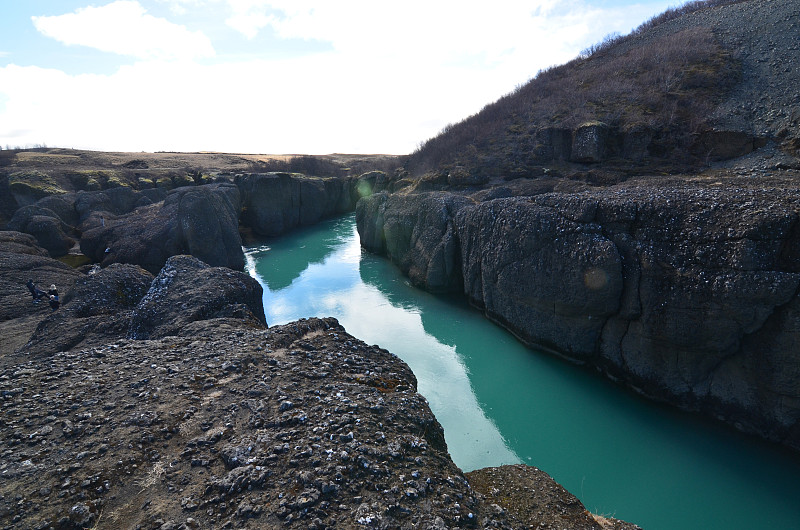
276,76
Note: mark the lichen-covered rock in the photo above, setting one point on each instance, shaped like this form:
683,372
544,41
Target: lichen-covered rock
296,426
532,499
187,290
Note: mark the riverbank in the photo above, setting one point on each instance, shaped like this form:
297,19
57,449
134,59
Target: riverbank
500,402
172,406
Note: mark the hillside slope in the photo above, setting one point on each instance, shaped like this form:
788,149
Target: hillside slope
713,83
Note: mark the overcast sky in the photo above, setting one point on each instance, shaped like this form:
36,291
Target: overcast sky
277,76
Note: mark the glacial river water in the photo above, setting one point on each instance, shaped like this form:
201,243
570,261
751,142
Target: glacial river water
500,402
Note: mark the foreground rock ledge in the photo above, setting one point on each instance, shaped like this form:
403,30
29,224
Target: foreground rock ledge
229,426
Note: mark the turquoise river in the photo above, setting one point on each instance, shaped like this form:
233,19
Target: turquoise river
500,402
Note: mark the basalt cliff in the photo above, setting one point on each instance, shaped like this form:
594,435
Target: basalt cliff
661,251
156,396
634,210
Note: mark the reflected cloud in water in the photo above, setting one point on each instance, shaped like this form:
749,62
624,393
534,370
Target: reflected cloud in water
499,402
332,284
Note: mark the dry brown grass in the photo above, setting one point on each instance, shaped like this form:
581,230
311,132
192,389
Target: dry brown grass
668,85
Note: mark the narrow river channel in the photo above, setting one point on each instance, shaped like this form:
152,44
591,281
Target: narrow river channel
500,402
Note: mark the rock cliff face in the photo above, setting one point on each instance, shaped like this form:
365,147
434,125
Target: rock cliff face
274,203
686,291
202,221
200,417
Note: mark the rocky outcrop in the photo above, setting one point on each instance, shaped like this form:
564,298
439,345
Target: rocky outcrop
687,291
57,220
22,259
96,310
273,203
46,226
532,497
226,425
219,422
417,233
187,290
114,201
202,221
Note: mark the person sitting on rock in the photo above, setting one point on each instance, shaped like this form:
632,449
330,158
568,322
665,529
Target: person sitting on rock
36,293
53,294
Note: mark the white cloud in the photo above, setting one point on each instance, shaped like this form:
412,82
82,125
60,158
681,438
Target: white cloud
391,79
181,7
125,28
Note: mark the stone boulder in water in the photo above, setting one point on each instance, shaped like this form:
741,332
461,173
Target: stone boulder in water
188,290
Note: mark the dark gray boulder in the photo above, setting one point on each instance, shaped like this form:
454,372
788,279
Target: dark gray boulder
116,201
63,206
46,226
187,290
202,221
96,310
208,224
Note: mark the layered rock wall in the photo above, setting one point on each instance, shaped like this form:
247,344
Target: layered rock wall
274,203
687,293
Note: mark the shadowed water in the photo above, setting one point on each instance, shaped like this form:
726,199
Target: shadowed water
500,402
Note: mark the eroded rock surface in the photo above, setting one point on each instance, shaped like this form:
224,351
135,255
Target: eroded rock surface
685,289
97,309
274,203
22,259
536,500
298,426
187,290
202,221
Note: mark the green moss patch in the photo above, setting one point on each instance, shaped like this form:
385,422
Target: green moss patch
34,183
75,260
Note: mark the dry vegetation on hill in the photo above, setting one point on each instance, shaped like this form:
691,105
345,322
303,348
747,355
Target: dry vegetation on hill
667,88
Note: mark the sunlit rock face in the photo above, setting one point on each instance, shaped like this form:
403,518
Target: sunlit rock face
686,291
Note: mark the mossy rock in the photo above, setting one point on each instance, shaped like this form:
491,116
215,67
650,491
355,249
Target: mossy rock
33,185
75,260
164,182
94,180
182,180
116,181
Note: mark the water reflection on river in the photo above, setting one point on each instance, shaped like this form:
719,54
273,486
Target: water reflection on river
501,403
